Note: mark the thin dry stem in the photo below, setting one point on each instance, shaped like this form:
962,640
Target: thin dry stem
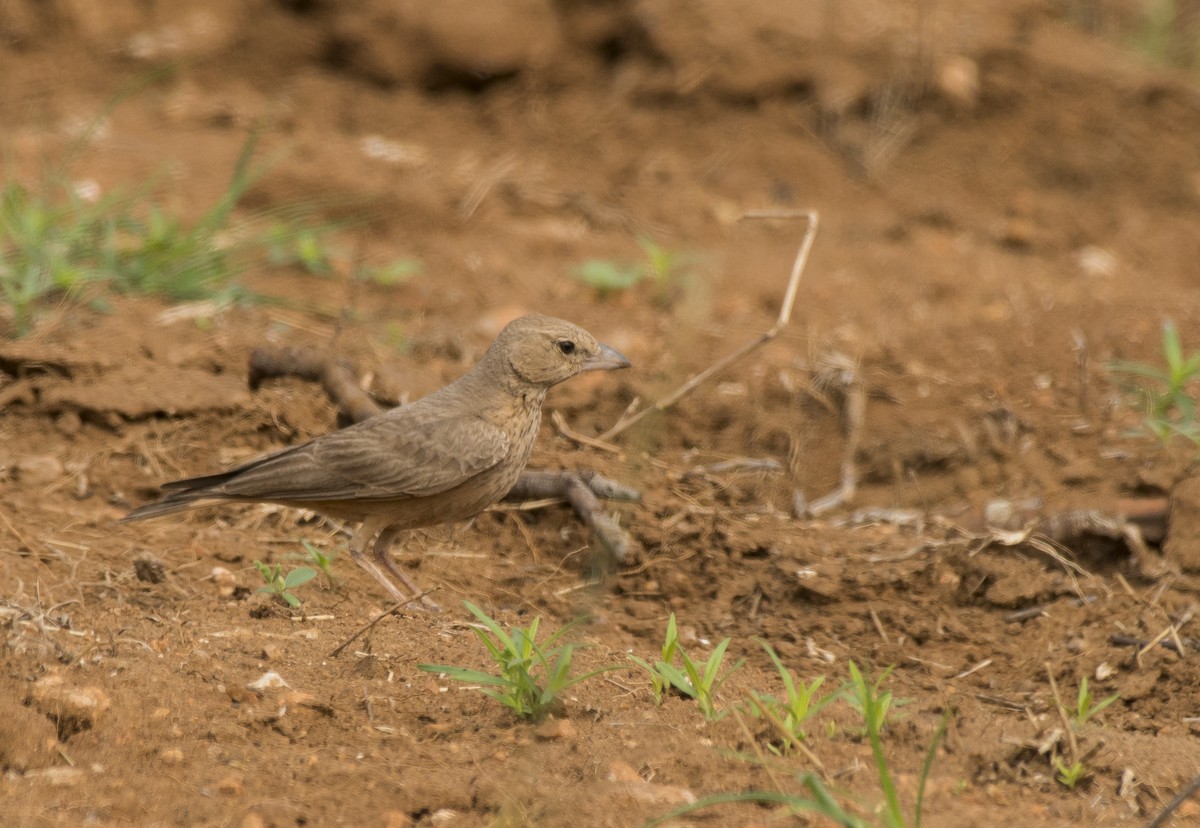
785,315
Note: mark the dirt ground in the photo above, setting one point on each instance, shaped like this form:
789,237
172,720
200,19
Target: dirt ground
1009,200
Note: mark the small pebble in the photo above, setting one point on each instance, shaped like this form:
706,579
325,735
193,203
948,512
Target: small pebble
231,786
224,580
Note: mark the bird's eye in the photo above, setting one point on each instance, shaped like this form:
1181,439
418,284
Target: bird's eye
566,346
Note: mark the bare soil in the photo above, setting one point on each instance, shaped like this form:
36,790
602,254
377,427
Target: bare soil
1008,202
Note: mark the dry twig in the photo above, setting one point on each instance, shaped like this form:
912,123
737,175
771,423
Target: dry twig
785,315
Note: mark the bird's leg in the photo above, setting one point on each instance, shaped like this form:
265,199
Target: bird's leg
381,551
358,549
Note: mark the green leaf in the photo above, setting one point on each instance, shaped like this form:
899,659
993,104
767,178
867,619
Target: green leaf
607,276
299,575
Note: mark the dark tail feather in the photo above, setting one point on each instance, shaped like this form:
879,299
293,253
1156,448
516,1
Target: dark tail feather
174,502
194,491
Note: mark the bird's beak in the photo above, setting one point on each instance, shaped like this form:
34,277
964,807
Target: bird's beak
608,359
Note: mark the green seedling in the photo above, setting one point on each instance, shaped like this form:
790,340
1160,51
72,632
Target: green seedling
696,680
532,676
1069,775
873,703
663,265
1165,391
281,585
659,681
799,703
61,240
701,680
392,274
1086,706
608,277
304,247
323,561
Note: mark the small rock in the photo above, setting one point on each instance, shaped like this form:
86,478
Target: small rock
38,470
171,756
269,680
231,785
443,816
224,580
27,738
1189,808
957,79
72,708
552,729
271,652
1096,261
149,568
1076,645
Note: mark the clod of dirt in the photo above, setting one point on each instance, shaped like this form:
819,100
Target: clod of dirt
27,738
552,729
627,780
231,786
72,707
149,568
1183,533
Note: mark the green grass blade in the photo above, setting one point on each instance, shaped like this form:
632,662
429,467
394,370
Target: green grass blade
713,665
492,626
463,674
927,765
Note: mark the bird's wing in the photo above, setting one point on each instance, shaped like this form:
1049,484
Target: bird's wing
380,459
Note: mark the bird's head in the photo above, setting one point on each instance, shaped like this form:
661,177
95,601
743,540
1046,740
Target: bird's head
544,351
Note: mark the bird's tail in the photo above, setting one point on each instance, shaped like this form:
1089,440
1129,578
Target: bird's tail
174,502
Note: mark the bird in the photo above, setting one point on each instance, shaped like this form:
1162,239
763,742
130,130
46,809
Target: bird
443,458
